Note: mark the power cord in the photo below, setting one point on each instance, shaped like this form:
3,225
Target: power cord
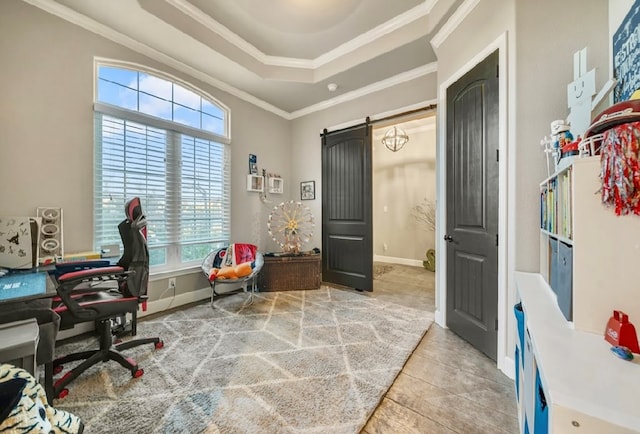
171,286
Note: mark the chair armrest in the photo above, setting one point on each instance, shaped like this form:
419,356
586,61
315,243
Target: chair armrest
93,274
88,280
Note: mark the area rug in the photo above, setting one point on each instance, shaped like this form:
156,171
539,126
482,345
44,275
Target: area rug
314,361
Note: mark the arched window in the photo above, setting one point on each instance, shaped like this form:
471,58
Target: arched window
166,142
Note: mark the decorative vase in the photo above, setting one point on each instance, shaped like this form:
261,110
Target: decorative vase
430,262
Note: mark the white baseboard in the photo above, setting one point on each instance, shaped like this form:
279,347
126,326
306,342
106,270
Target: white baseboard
440,319
163,304
508,367
394,260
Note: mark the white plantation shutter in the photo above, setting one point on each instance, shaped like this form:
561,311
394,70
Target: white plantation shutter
182,180
204,211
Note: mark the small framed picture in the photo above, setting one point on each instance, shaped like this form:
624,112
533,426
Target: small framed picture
308,190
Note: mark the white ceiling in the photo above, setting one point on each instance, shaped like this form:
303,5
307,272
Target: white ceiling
278,54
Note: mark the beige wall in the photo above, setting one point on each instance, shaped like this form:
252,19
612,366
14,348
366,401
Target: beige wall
543,74
46,127
401,180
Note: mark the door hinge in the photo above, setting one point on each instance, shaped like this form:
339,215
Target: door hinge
497,71
497,154
496,239
496,324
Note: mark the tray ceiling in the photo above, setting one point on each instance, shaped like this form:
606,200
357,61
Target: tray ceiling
278,54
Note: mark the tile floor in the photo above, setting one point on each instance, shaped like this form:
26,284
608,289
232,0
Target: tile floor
446,386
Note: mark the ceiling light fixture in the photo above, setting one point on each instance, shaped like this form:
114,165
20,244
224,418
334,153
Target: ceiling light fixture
394,139
332,87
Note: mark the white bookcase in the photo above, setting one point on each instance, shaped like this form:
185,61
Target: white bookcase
587,389
605,247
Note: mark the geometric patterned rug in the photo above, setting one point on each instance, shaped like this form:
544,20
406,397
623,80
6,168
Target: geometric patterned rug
315,361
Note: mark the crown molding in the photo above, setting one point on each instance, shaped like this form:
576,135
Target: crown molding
407,17
68,14
355,44
198,15
366,90
453,22
55,8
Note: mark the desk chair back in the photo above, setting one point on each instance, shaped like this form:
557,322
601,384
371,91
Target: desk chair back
133,232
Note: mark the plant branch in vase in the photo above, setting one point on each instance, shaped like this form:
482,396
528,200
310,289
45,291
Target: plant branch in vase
425,214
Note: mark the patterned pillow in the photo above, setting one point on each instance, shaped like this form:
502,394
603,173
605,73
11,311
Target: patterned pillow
24,407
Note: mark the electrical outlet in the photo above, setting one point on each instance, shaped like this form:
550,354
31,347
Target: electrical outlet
172,283
384,247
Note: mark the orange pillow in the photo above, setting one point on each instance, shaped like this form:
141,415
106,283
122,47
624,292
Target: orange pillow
227,273
240,270
243,269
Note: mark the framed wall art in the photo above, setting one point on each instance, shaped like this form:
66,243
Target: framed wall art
308,190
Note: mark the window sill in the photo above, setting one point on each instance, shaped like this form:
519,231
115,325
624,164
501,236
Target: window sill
166,274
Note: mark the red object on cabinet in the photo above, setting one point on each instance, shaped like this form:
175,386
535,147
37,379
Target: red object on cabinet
621,332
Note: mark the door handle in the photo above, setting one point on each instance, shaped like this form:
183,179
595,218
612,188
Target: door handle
448,238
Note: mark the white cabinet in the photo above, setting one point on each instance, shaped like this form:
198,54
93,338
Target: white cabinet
588,390
567,379
601,249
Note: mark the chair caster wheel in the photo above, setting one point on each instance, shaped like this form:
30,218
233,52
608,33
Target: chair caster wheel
58,369
62,393
159,345
137,373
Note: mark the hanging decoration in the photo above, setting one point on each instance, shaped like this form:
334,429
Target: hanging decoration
395,138
620,168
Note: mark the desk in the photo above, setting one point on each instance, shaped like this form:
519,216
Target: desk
19,287
40,282
26,295
19,344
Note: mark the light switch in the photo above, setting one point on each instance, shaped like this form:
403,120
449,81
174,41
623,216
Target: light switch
385,208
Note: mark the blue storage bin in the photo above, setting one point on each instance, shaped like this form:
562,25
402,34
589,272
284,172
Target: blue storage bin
541,417
519,313
517,374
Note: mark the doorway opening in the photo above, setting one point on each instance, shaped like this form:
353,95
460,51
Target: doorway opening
404,193
404,200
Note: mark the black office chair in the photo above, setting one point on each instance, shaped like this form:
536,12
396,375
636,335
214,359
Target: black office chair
102,294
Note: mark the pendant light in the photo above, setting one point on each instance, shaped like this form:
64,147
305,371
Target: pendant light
394,139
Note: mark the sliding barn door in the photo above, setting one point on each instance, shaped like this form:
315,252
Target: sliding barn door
347,229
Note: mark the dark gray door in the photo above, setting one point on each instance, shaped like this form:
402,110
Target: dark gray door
472,206
347,230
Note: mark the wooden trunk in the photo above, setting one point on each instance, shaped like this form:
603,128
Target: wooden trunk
289,273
